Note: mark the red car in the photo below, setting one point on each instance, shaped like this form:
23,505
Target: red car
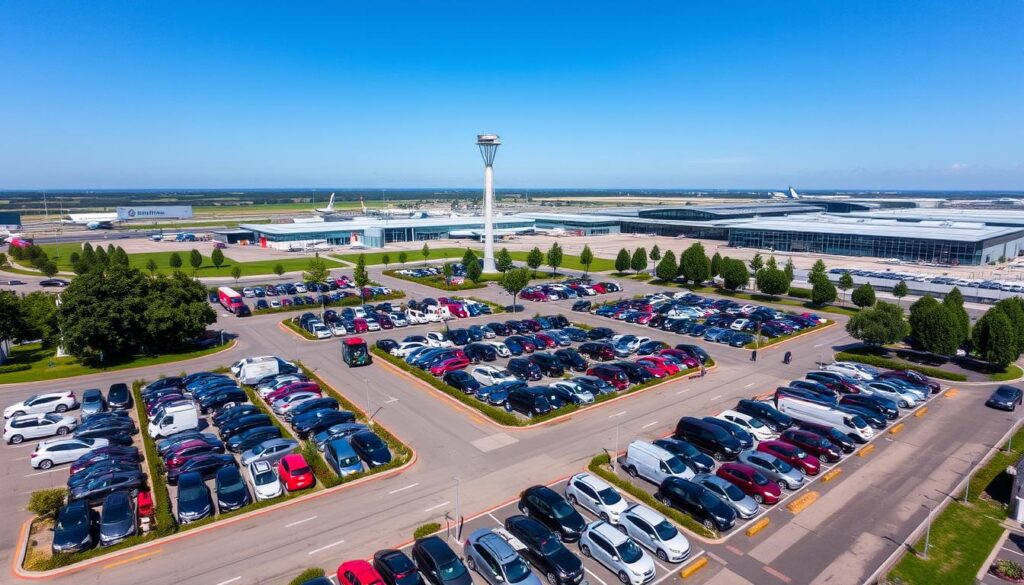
669,364
360,325
358,573
791,454
813,443
449,365
185,450
532,325
547,339
290,389
385,321
751,482
656,369
614,376
458,310
295,473
686,359
599,288
645,318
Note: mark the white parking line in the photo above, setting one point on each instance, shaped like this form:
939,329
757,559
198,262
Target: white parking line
617,414
325,547
818,344
495,518
749,385
230,580
402,489
683,391
43,472
297,522
663,577
716,397
441,505
650,424
393,399
592,574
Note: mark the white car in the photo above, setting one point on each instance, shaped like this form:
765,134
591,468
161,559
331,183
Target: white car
42,404
500,348
654,533
491,375
248,293
34,426
399,319
752,425
617,552
594,494
275,304
372,324
436,339
338,329
850,369
739,324
57,451
265,483
406,348
300,288
321,331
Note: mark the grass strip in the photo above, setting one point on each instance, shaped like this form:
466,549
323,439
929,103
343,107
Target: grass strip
768,342
294,326
895,364
1012,372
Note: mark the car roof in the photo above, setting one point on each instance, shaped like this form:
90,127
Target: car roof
594,482
646,514
614,536
496,544
260,466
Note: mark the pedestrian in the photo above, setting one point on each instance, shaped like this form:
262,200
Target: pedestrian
703,370
788,357
753,356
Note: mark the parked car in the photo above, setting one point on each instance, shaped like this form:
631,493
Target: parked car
57,451
773,468
696,501
594,494
543,550
551,509
751,482
708,437
370,448
438,562
75,529
1005,398
232,492
617,552
494,559
295,473
813,444
744,505
34,426
265,483
396,568
655,533
194,502
42,403
118,518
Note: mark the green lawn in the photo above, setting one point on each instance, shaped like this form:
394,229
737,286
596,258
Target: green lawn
568,261
1012,372
963,535
572,262
43,366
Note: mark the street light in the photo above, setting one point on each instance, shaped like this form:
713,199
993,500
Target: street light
488,145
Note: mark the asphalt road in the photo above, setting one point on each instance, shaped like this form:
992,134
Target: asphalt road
464,458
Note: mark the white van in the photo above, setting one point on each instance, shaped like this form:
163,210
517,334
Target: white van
175,419
438,313
654,463
252,370
415,317
813,412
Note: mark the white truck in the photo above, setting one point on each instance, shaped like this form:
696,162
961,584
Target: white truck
813,412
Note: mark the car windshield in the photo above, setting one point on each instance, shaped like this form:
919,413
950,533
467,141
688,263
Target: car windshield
562,509
348,461
733,492
781,466
191,493
754,423
265,478
708,500
609,496
231,487
675,465
452,570
665,530
760,479
1005,392
516,571
68,521
629,552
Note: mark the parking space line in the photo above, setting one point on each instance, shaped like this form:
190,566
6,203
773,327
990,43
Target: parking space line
650,424
325,547
594,575
749,385
620,413
716,397
230,580
776,574
441,505
402,489
495,518
297,522
663,577
683,391
42,472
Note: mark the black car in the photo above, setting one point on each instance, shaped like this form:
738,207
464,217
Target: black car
499,328
118,519
524,369
594,385
549,508
119,397
635,373
597,350
697,501
439,563
110,452
766,413
480,352
386,344
695,351
194,502
599,333
396,568
707,437
205,465
878,404
232,492
838,438
58,282
527,402
314,404
370,448
691,456
90,473
461,380
548,364
75,530
234,412
221,398
312,423
582,306
242,424
651,347
162,384
114,435
459,336
1005,398
544,551
105,484
249,438
871,416
745,439
571,359
164,446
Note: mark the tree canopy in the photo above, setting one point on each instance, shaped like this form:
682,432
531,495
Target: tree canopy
622,261
586,258
863,295
734,273
534,259
879,325
667,268
771,281
554,257
994,338
694,265
823,292
639,260
503,260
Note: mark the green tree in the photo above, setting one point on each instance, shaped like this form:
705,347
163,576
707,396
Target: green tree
772,263
447,271
49,268
102,314
879,325
359,275
12,319
694,265
845,282
195,259
120,257
503,260
102,259
994,339
217,257
586,259
655,253
756,263
402,257
716,265
278,270
176,312
1013,308
791,270
236,272
667,268
818,272
4,262
152,267
317,270
474,272
514,281
863,295
46,503
734,273
39,312
899,291
385,259
919,314
823,292
425,251
554,257
639,260
771,281
954,300
622,261
534,259
935,329
468,258
174,261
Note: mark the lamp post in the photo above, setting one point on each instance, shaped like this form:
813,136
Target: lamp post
488,145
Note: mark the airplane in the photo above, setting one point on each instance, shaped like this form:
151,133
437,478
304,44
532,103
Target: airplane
329,210
93,221
791,195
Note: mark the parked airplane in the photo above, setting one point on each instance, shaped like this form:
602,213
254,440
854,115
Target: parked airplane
329,210
789,196
93,221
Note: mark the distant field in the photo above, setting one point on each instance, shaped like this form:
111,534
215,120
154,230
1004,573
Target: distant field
414,255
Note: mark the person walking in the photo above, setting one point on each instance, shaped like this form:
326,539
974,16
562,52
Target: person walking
753,356
703,370
788,357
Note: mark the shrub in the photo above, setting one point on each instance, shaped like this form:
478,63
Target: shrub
1009,569
46,503
165,523
7,369
307,575
426,530
800,293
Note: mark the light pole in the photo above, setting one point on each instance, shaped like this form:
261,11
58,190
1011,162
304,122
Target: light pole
458,507
366,382
488,145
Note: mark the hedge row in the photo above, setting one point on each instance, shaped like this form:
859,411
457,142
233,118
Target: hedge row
767,342
435,282
8,368
600,465
345,302
165,523
893,364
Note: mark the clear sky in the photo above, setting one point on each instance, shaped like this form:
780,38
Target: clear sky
677,94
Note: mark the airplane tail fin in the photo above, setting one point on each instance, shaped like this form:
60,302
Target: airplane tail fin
330,203
793,194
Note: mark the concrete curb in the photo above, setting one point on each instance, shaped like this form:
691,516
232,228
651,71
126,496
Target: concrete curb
983,571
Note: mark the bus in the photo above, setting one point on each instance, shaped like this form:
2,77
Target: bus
355,353
229,298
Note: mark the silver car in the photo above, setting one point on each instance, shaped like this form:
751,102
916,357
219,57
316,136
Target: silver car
617,552
496,561
773,468
271,451
744,505
654,533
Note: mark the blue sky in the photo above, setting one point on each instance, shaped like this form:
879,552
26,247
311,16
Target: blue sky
717,94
